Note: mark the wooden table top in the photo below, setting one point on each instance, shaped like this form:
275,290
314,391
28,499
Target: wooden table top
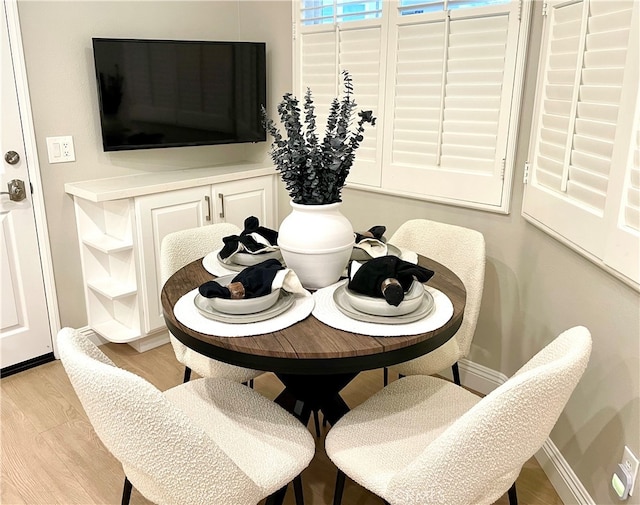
309,346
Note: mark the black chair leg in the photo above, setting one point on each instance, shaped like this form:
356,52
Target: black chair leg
126,491
187,374
277,498
297,489
513,496
385,378
456,373
337,494
316,421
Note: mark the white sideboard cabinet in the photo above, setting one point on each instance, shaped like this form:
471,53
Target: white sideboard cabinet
121,222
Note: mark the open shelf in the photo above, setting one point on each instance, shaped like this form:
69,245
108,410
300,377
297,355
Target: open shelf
116,332
106,244
111,289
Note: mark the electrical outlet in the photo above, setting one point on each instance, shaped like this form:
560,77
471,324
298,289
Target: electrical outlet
631,464
60,149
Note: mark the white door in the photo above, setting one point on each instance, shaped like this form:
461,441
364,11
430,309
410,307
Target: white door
24,324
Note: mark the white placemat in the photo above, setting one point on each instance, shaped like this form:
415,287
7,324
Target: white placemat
213,266
326,311
187,313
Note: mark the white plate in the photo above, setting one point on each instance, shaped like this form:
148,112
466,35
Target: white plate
237,267
248,259
284,302
380,307
343,305
243,305
362,255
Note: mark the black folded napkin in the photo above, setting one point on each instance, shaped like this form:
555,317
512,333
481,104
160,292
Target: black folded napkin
368,279
375,232
255,281
253,239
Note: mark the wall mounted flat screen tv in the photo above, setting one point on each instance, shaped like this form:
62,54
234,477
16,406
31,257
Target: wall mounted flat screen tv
162,93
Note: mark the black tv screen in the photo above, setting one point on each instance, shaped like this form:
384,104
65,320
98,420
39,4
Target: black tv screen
162,93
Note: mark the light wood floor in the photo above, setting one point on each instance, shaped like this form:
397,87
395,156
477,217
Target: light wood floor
50,454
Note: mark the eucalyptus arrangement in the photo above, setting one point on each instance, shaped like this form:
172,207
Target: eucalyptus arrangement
315,171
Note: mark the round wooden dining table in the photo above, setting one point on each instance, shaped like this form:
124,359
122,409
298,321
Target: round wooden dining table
314,361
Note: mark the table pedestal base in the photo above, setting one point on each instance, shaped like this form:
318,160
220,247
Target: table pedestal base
305,393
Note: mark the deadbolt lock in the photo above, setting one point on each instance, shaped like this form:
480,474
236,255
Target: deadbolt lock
11,157
16,190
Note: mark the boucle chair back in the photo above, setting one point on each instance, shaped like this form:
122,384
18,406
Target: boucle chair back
177,250
479,456
163,453
462,250
182,247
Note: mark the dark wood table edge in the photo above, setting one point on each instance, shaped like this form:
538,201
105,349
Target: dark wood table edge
311,366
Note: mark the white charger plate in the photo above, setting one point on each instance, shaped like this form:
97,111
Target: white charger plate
248,259
284,302
237,267
342,303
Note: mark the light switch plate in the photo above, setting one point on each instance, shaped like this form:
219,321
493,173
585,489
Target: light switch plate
60,149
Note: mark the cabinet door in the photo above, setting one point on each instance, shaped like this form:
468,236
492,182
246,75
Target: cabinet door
157,215
236,200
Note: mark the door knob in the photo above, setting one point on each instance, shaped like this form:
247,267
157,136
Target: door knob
11,157
16,190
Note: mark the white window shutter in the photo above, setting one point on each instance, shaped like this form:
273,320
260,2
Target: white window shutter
363,53
357,47
585,68
450,87
622,250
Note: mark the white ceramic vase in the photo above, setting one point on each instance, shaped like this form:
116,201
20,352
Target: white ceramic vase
316,243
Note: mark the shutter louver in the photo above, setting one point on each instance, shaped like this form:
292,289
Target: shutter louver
318,72
418,94
475,72
360,55
558,95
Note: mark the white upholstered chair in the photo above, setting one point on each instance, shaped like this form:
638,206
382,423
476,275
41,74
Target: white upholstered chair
462,250
423,440
203,442
177,250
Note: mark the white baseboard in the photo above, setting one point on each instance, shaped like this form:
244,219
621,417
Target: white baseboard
145,343
92,335
141,345
560,474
